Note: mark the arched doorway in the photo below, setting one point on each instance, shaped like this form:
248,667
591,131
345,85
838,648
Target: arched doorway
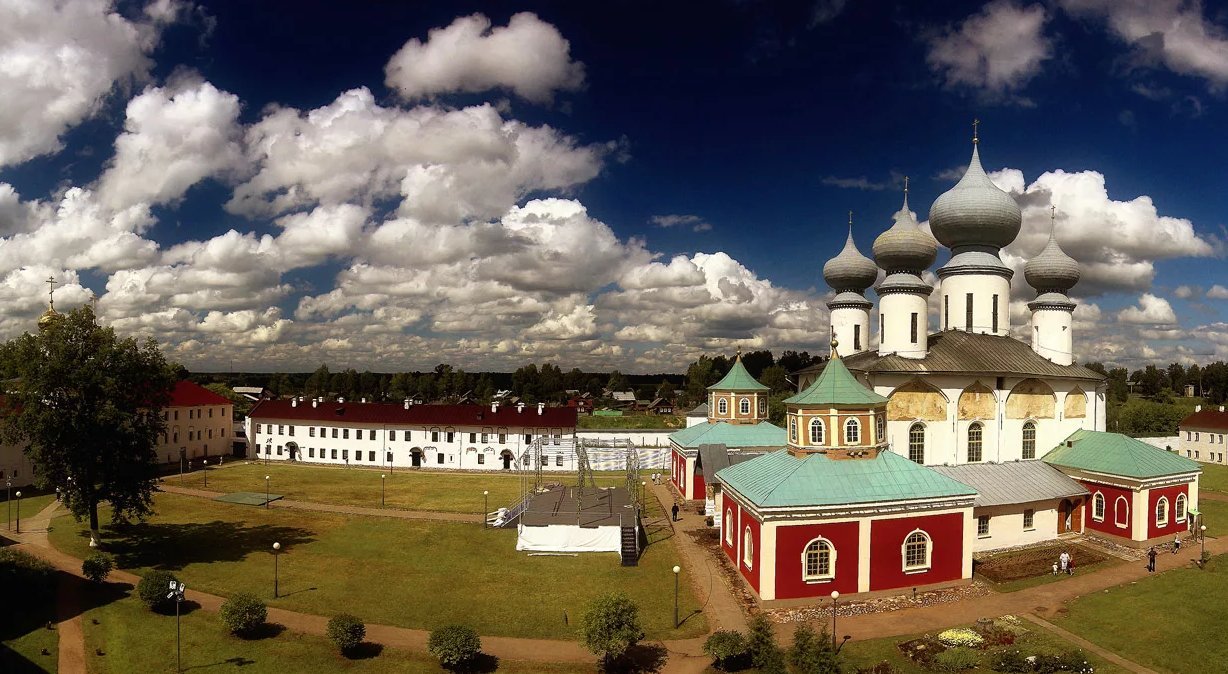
415,457
507,457
1069,516
292,447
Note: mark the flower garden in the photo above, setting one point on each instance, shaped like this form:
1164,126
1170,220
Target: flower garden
1000,645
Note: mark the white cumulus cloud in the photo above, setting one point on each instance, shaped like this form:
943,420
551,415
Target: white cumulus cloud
995,51
1151,310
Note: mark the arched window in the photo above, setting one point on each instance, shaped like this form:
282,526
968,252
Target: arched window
1121,512
792,429
1162,511
816,431
975,431
880,427
1029,440
729,525
748,548
722,407
916,443
819,560
762,406
1098,507
1179,509
744,406
916,551
852,432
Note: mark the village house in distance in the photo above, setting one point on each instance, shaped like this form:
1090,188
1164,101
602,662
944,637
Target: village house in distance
899,462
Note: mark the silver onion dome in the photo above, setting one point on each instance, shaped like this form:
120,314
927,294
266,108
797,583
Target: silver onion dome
1052,270
850,270
905,246
975,212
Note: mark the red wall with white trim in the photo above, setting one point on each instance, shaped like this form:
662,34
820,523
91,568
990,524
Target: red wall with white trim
887,536
1170,526
791,541
1109,525
698,486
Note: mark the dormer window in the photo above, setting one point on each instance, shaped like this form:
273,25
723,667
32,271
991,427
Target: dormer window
852,432
722,407
816,431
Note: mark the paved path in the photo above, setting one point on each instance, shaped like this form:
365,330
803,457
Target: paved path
1212,495
68,607
1089,646
343,509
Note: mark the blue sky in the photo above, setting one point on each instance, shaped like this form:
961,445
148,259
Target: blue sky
275,185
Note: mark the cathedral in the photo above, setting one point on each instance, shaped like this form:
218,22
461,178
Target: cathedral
903,456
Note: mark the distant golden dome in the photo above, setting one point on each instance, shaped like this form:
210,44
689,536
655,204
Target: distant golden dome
48,316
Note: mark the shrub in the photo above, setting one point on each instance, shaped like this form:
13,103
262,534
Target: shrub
727,648
957,659
996,636
346,632
455,645
812,653
765,654
153,588
1068,661
611,626
24,577
883,667
97,567
961,636
243,613
1011,661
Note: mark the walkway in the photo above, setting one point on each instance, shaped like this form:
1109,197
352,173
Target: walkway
68,608
1089,646
342,509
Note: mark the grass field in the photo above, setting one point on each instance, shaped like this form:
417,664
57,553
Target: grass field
404,488
418,574
133,639
28,647
1214,516
1214,478
1168,622
30,505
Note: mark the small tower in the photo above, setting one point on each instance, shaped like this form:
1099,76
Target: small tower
837,416
975,220
904,252
1052,274
737,398
849,274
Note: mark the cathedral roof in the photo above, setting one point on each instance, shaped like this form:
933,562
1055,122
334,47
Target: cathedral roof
975,212
836,387
762,434
905,246
1117,454
738,379
780,479
850,270
959,352
1052,270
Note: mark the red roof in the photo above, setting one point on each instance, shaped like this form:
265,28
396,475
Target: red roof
1209,418
189,394
390,413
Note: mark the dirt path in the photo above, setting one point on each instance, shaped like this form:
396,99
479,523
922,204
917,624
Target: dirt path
1089,646
342,509
67,600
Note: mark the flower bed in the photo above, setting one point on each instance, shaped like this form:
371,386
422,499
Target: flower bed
1032,562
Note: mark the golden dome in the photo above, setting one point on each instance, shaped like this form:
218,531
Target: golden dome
48,316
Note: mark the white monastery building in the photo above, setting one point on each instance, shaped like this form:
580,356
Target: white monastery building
1200,436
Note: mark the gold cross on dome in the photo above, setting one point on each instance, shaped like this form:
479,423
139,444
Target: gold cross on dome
51,282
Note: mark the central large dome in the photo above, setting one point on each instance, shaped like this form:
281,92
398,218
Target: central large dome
975,212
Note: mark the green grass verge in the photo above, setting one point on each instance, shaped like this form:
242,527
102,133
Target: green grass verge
31,504
133,639
419,574
24,652
404,488
1214,516
1214,478
1168,622
630,422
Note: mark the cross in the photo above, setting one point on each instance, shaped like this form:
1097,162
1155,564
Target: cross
94,303
51,283
975,123
1053,212
905,185
850,218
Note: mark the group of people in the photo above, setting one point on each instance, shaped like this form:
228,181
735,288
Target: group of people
1064,564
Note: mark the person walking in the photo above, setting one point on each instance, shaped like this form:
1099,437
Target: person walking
1151,560
1070,566
1176,543
1063,561
674,510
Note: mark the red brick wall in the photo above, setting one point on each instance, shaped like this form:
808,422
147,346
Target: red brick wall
1111,494
1170,526
791,541
751,574
946,534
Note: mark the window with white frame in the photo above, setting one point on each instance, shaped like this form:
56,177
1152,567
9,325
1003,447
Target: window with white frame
916,551
744,406
1098,507
728,523
816,431
1162,512
975,435
748,548
722,407
982,526
916,443
1179,509
852,432
818,561
763,408
880,427
1029,440
1121,512
792,429
1029,520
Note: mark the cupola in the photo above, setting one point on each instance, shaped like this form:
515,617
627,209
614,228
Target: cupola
976,212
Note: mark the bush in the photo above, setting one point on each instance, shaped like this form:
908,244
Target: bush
153,588
456,646
727,648
243,614
24,577
883,667
1068,661
812,653
961,636
1011,661
957,659
765,654
97,567
611,626
346,632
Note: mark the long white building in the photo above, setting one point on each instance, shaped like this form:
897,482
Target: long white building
458,437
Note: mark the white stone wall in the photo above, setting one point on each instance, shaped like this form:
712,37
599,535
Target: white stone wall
639,438
953,303
895,325
847,323
1006,528
1053,335
1207,446
15,466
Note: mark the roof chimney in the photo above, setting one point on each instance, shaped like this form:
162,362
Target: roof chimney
341,399
541,407
406,403
294,402
494,407
1198,408
519,408
315,403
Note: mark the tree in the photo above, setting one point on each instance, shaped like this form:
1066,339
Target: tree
812,653
242,405
318,383
456,646
1177,378
611,626
765,653
616,382
727,648
775,378
665,390
243,614
793,361
699,376
756,362
89,406
346,632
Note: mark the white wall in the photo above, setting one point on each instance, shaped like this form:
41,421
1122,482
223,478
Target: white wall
1006,526
895,320
1053,335
983,288
639,438
844,323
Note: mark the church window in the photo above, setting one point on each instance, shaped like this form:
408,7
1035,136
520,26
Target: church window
1179,509
1098,507
762,406
728,523
744,406
916,443
1162,512
968,317
857,338
946,312
722,407
880,427
913,328
1029,440
1029,520
816,431
982,526
1121,512
975,433
748,548
793,429
852,432
916,551
819,561
995,314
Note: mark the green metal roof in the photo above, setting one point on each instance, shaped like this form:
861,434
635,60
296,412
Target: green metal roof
738,379
1117,454
837,387
762,434
780,479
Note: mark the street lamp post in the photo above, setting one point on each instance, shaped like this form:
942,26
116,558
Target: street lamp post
8,503
176,593
18,512
266,492
643,493
677,569
381,490
1202,536
485,506
204,471
276,550
835,595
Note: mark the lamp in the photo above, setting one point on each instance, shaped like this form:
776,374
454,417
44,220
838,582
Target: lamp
677,569
276,550
835,596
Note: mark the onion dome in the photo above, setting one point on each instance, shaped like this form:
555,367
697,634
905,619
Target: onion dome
905,247
1052,270
975,212
47,318
850,270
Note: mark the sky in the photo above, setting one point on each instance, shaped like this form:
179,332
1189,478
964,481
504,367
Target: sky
270,186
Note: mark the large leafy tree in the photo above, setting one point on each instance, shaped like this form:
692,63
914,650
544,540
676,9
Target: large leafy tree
89,406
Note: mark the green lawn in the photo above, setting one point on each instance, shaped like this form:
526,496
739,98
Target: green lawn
402,572
1169,622
133,639
1214,478
31,504
1214,516
404,488
24,653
